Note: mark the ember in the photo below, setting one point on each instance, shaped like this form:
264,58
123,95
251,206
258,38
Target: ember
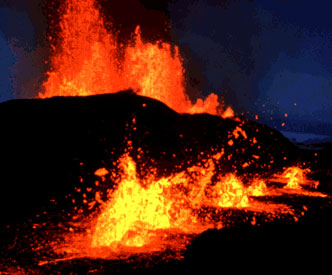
142,214
139,213
129,203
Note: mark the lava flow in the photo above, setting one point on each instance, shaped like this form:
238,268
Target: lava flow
144,215
87,61
153,214
137,210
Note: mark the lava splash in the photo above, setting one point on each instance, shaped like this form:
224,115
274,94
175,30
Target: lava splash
88,60
153,214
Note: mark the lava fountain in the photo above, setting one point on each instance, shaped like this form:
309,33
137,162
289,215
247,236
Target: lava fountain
87,61
151,214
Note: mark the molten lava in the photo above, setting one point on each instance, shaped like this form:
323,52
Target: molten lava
128,220
87,62
135,212
152,214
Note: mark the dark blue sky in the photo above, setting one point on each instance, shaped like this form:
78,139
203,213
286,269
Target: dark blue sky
263,56
7,61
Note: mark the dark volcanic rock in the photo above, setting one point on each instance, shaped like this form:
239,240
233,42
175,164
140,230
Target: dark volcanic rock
272,246
46,145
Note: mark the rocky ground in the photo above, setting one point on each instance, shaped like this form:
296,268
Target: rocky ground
47,146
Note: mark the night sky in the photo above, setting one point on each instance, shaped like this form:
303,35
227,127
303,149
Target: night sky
266,58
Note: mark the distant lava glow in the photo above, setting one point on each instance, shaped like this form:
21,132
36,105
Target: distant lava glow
86,61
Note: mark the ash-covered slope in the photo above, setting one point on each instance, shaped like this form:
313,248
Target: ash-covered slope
46,145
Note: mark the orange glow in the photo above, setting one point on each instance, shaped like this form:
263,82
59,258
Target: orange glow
86,62
230,192
237,131
83,63
228,113
295,178
132,212
258,188
153,213
143,215
136,212
101,172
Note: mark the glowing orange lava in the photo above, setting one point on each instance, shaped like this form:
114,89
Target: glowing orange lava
134,212
86,62
152,214
145,215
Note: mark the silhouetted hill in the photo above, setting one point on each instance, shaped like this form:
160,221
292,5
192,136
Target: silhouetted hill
48,145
